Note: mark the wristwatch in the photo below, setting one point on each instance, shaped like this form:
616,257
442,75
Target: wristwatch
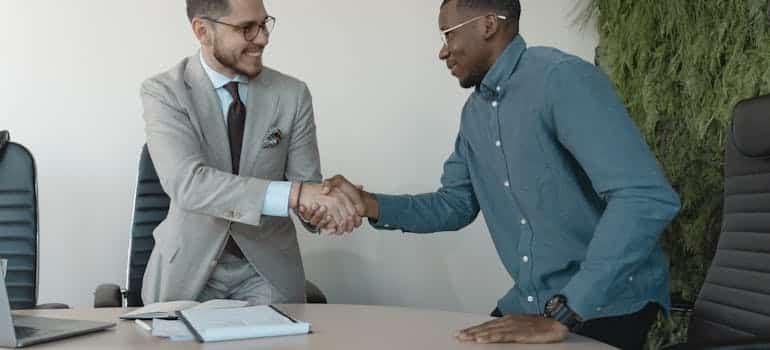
557,309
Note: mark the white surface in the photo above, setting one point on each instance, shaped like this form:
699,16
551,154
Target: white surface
387,113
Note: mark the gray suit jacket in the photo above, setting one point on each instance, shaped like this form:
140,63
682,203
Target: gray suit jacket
188,142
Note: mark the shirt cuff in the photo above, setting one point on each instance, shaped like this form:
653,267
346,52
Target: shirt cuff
388,208
277,199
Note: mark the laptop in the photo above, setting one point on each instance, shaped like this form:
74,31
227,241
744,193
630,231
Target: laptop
18,331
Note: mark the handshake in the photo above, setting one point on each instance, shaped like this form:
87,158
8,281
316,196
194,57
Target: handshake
335,206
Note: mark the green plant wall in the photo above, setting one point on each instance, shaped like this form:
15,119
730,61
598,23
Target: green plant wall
681,66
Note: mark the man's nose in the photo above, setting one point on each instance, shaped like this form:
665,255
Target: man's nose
262,39
443,54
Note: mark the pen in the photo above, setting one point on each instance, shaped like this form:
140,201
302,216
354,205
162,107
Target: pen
143,325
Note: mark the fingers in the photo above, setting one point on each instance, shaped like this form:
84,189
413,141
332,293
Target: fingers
349,208
319,214
489,331
516,328
352,191
333,205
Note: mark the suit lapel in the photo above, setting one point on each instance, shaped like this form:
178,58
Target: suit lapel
261,113
210,117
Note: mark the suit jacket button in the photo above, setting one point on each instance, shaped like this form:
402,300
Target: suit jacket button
213,263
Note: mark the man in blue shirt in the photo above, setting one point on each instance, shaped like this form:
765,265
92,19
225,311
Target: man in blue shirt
573,198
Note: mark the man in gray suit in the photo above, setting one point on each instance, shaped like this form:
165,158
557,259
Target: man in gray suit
233,143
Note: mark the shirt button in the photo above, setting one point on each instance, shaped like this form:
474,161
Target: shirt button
498,89
530,299
498,143
494,103
631,279
387,225
523,221
599,309
507,184
525,259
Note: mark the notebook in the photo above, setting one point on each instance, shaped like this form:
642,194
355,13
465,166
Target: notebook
212,325
168,310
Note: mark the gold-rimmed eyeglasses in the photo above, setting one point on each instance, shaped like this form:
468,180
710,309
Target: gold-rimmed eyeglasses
445,32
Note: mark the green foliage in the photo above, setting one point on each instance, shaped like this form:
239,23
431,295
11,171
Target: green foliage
681,66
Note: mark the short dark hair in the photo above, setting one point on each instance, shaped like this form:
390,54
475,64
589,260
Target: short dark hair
508,8
207,8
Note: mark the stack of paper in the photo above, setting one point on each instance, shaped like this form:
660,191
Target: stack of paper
209,325
173,330
168,310
164,316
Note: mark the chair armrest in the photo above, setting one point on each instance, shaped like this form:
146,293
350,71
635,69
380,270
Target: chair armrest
679,304
5,137
314,294
108,295
749,344
52,306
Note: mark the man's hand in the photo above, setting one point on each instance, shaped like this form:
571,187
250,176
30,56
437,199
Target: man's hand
364,203
527,329
339,210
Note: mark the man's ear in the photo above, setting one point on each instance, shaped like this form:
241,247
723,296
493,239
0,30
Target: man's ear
491,26
202,31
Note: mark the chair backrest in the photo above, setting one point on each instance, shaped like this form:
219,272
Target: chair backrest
734,303
19,224
150,208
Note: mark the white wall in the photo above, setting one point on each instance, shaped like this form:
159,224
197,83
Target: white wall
387,113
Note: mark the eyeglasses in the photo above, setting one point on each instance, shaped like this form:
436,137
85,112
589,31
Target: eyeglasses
445,32
250,31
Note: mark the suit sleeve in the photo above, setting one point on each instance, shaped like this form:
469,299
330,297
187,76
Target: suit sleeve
181,165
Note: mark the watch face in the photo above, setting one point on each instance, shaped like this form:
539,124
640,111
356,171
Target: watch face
552,304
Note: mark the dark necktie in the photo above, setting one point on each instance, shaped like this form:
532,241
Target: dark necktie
236,120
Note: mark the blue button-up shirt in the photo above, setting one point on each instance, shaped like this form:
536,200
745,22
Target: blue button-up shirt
573,198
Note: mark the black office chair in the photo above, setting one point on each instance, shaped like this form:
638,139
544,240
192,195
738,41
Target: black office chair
19,224
733,308
150,208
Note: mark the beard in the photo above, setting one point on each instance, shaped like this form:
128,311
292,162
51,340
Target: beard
230,60
471,81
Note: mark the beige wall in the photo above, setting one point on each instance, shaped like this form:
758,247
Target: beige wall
387,113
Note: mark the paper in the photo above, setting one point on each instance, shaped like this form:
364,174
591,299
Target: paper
241,323
168,309
172,329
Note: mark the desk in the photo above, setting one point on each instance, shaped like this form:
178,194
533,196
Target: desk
337,327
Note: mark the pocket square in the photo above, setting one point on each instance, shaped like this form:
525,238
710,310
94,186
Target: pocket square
273,138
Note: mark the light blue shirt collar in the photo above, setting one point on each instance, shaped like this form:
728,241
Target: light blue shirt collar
219,80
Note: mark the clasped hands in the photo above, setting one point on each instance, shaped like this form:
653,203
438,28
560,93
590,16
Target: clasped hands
335,206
